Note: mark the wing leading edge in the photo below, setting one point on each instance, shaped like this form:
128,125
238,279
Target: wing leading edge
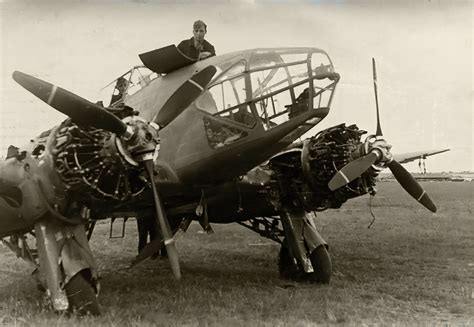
412,156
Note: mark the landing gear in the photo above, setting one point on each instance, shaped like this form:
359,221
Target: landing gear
81,294
320,260
66,268
303,254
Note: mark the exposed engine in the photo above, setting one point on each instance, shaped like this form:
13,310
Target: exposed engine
321,157
91,162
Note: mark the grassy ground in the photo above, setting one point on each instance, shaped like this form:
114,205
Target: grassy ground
410,268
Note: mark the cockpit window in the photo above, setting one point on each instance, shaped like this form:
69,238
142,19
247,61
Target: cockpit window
140,77
272,87
284,85
126,85
228,96
235,70
220,134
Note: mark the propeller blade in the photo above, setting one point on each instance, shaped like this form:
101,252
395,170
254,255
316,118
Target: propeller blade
78,109
164,225
379,129
351,171
184,96
410,185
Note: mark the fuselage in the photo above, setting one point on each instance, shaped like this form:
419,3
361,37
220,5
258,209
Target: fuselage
206,143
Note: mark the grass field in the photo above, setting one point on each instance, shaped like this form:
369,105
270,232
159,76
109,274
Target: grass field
410,268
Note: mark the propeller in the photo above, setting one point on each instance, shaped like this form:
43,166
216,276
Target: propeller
374,71
77,108
164,225
352,170
410,185
379,152
85,112
184,96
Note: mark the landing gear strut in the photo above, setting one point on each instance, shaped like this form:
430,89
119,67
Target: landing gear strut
303,253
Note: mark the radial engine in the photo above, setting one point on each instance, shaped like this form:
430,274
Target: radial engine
306,173
96,163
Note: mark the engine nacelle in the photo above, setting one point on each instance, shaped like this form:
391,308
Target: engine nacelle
29,187
306,173
16,189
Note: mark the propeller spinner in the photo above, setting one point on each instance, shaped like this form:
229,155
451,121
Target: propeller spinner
378,152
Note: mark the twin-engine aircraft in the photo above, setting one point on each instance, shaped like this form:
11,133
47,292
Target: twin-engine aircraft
178,140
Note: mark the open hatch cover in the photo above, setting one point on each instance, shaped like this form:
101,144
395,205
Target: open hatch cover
166,59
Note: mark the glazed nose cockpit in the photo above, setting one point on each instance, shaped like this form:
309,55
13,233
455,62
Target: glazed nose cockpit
266,89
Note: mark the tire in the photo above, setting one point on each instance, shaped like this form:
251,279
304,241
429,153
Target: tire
81,295
322,265
320,260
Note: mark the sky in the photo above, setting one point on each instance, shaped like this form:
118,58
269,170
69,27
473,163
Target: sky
423,51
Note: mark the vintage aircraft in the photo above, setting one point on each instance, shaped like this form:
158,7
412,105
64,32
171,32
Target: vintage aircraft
215,140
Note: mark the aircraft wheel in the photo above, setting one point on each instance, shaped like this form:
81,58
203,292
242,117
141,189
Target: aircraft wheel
320,260
81,295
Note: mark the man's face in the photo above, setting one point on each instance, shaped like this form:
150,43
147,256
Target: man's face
199,33
121,87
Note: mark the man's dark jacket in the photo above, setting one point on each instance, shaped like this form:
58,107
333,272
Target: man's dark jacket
187,47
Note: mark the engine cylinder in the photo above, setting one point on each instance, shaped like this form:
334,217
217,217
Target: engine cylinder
326,153
89,163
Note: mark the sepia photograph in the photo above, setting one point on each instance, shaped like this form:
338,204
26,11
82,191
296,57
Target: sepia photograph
236,163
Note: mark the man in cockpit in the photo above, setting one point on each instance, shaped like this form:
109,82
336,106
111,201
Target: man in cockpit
121,87
197,47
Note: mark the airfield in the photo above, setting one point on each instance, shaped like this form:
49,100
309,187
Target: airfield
411,267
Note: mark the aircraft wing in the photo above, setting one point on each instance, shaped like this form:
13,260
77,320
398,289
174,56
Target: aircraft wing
412,156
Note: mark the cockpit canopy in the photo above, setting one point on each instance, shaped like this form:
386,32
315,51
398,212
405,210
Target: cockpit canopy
276,84
269,85
251,90
126,85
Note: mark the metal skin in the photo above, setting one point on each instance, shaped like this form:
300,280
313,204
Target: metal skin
302,234
292,218
63,249
258,172
63,252
12,221
194,162
49,254
26,175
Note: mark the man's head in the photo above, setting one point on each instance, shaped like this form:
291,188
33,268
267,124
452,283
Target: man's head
121,85
199,30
